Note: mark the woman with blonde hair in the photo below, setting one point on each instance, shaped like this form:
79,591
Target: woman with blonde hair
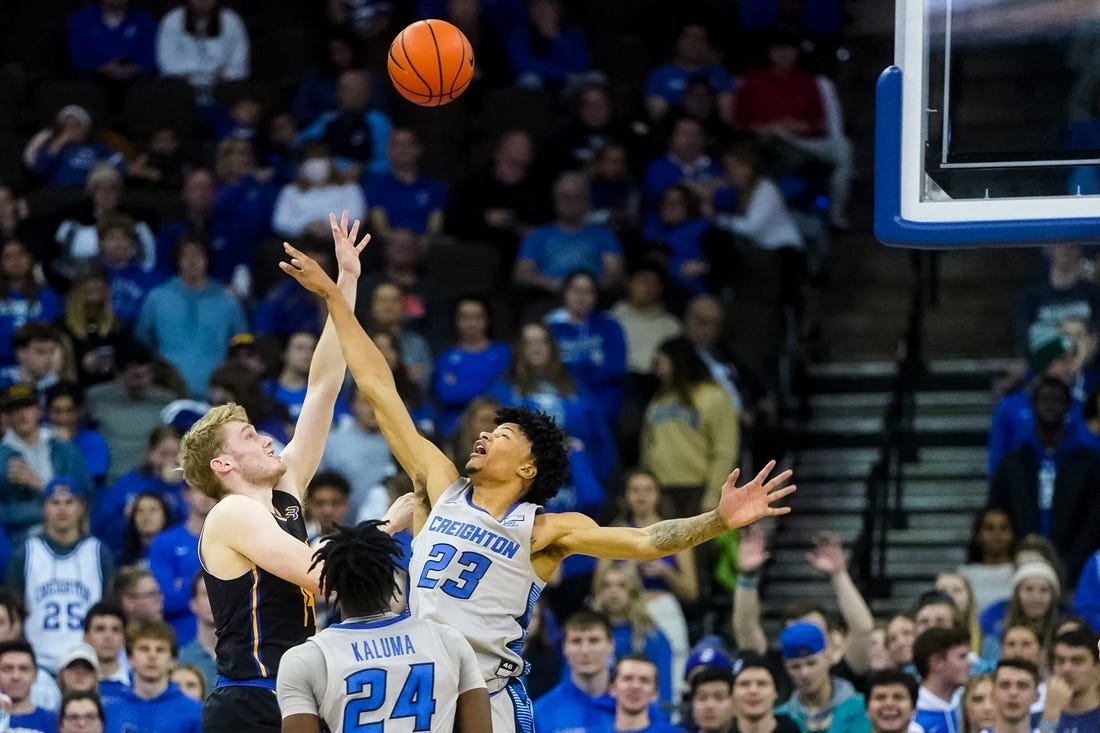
978,710
667,582
1036,591
958,589
617,592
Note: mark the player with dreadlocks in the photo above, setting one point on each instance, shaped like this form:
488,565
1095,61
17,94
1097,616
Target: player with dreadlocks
412,673
484,549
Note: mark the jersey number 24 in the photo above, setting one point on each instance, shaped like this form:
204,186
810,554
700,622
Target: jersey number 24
416,699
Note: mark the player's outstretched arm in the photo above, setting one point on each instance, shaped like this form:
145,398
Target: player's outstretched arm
429,469
265,544
574,533
326,371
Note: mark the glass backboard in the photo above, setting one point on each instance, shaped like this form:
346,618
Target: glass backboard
988,125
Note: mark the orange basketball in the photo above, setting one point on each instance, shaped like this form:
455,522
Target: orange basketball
431,62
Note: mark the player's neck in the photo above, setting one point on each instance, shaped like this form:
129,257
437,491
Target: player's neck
263,494
496,498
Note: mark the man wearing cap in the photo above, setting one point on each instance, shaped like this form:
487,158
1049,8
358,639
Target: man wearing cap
1051,354
78,670
60,574
31,455
820,702
942,658
1051,485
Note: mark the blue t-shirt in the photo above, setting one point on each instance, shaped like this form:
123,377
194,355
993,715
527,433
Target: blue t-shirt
174,561
1088,722
656,648
557,253
407,205
34,722
460,376
655,726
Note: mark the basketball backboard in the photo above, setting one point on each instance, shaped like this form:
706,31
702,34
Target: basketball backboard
987,127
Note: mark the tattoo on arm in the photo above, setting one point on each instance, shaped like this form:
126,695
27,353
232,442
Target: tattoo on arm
673,535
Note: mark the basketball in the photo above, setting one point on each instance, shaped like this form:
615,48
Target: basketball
431,62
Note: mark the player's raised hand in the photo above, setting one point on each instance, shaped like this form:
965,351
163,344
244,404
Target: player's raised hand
347,249
306,271
741,505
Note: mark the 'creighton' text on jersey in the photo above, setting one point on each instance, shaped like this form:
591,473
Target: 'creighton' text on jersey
474,574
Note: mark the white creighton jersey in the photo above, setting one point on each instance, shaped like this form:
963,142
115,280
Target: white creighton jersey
394,671
59,590
474,574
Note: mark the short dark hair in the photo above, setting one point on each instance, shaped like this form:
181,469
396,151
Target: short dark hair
78,695
547,448
359,565
1080,637
64,388
887,677
329,480
1025,665
18,646
587,619
711,674
104,608
191,237
13,603
631,658
937,640
33,331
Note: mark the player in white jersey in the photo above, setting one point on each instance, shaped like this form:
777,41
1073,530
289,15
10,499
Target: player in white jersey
377,666
483,551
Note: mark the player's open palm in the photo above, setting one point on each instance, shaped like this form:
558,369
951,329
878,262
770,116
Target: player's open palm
741,505
347,249
752,550
306,271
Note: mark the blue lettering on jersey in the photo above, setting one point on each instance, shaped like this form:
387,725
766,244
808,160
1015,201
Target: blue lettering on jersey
62,586
382,648
479,536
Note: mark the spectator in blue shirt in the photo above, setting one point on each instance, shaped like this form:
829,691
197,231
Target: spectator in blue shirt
118,254
287,308
468,368
634,689
545,53
580,702
686,160
403,197
355,134
197,195
555,250
153,702
20,665
593,345
65,410
113,41
81,710
316,93
174,561
22,299
243,206
64,154
694,57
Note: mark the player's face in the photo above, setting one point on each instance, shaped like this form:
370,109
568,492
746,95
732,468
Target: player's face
980,708
17,674
1021,643
1076,665
634,686
754,692
588,650
712,706
808,673
80,716
104,634
501,453
252,454
151,659
1014,693
889,708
